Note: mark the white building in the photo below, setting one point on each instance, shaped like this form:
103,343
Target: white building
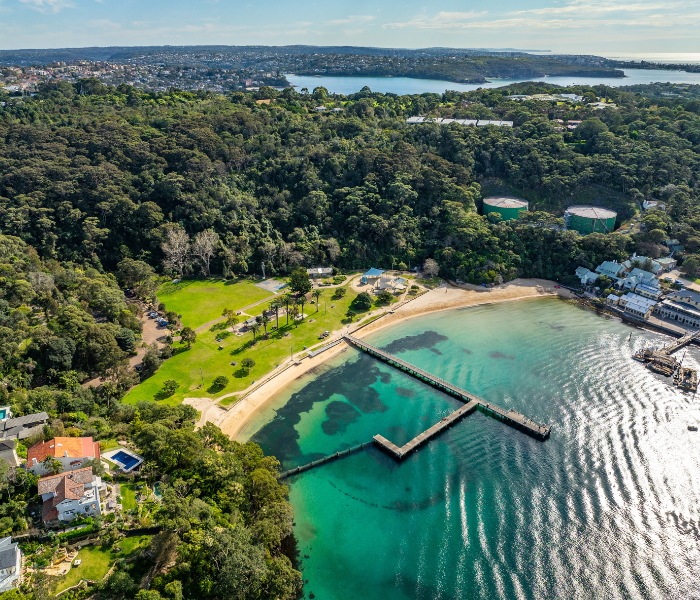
586,276
320,272
637,305
10,565
678,312
71,452
71,495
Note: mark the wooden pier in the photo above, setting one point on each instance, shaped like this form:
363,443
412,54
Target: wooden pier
510,417
679,343
323,460
427,435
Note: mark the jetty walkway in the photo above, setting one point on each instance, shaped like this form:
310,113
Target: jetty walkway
510,417
679,343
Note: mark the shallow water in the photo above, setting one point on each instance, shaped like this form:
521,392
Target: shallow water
408,85
606,508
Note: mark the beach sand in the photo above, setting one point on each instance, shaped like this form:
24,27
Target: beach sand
443,298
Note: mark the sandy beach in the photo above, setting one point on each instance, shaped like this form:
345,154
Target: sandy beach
445,297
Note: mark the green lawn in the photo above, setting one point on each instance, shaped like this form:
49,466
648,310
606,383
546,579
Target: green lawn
128,493
107,445
200,301
96,561
185,367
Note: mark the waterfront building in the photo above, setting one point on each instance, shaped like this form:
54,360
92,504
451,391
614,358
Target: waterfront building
10,565
613,299
586,277
683,313
686,297
638,277
667,263
648,291
636,305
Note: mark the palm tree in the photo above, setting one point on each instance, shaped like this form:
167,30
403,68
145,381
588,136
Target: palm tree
317,294
264,320
294,310
302,301
287,299
276,305
255,327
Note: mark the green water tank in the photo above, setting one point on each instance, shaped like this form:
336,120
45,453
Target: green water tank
590,219
508,208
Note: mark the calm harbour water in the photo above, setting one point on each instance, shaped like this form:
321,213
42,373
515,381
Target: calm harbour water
406,85
606,508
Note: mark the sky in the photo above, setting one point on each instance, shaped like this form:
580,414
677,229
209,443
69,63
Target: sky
603,27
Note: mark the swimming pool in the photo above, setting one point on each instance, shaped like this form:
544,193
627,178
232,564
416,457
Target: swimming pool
3,413
125,460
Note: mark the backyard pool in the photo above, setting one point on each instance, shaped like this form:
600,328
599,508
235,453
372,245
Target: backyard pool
126,460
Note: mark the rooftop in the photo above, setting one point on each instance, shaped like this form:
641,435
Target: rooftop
64,446
592,212
505,202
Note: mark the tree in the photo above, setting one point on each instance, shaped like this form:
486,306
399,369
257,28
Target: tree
151,360
301,300
247,364
276,305
133,272
430,267
188,336
264,320
288,300
177,250
204,246
690,266
51,465
169,387
254,327
363,301
384,298
294,311
299,281
317,293
219,383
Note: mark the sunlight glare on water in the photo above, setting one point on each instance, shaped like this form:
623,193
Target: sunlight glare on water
606,508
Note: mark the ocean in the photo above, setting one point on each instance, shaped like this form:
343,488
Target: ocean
606,508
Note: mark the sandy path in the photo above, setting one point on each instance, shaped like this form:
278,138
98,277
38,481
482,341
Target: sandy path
446,297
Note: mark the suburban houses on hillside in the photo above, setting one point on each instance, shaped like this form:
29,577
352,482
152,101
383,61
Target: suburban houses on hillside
70,495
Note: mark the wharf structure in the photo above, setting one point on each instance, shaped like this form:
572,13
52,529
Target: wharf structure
662,361
510,417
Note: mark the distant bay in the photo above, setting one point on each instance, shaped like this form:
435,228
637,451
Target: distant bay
407,85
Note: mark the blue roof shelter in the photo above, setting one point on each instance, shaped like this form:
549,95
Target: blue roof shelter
371,274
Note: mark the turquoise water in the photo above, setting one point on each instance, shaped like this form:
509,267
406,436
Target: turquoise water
407,85
606,508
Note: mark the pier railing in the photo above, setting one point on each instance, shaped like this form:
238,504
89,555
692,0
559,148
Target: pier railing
325,459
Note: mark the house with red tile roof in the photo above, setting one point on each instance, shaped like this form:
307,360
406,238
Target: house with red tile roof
71,452
70,495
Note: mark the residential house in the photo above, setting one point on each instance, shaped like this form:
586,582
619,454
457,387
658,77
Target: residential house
71,452
636,277
20,428
10,565
649,204
320,109
667,263
8,453
586,277
614,270
320,272
629,264
70,495
637,306
674,246
613,299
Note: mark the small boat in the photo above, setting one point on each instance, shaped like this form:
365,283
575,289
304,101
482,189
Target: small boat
692,428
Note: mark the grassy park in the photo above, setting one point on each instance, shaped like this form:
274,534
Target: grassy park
97,560
201,301
184,367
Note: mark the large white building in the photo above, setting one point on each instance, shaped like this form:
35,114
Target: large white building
636,305
70,495
10,565
683,306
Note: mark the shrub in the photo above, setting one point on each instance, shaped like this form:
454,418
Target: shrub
384,298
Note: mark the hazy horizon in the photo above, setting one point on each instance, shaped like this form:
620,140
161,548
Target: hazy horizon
599,27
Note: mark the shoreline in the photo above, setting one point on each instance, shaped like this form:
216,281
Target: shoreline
445,297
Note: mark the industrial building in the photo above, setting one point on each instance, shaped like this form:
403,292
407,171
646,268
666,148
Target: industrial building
637,305
509,208
590,219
